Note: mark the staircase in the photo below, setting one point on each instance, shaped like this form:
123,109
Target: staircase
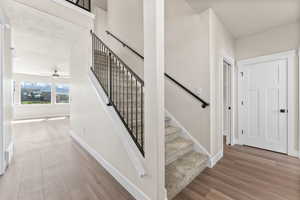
183,163
125,91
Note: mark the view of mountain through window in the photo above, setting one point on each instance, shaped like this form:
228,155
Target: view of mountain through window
62,94
35,93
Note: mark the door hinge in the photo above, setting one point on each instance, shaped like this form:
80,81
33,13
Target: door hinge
242,132
242,103
242,74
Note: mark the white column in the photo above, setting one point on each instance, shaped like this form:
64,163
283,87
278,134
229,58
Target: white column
154,93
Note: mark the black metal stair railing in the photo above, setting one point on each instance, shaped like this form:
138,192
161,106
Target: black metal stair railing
204,103
123,87
84,4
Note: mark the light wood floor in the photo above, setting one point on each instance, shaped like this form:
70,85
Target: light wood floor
247,173
48,165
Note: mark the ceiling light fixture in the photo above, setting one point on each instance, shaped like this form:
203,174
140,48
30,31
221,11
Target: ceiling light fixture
55,74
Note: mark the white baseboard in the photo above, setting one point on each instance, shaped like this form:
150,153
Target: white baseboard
236,141
9,153
127,184
294,153
197,146
215,159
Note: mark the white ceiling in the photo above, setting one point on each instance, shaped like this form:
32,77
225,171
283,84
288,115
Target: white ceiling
246,17
42,42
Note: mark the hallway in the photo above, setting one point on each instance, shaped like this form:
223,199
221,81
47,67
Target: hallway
48,165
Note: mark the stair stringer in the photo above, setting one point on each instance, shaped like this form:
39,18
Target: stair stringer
133,152
186,134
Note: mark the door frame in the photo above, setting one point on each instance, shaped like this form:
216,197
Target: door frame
299,103
231,62
290,57
2,139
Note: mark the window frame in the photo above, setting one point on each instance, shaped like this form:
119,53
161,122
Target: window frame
35,104
55,93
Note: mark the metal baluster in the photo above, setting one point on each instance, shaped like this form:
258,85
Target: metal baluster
118,84
123,95
142,117
110,79
127,95
93,56
107,70
136,111
96,60
131,103
113,77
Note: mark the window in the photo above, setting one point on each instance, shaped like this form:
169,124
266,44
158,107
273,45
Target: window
62,93
35,93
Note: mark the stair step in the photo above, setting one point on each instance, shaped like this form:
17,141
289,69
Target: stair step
176,148
171,133
167,121
183,171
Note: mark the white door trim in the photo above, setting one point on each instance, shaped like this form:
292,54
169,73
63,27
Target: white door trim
2,139
230,61
292,81
299,102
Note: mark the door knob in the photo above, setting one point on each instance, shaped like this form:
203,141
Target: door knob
283,110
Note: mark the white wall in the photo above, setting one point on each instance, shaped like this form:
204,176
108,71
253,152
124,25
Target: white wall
125,20
99,3
195,46
276,40
61,10
91,123
221,45
6,87
27,111
187,60
101,23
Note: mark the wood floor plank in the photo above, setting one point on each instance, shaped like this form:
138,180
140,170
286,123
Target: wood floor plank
247,173
49,165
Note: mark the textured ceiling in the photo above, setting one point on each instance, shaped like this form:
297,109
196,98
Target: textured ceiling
42,42
246,17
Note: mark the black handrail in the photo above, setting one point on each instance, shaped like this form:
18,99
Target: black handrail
125,45
84,4
124,89
115,55
204,103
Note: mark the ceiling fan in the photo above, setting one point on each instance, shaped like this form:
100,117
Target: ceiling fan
55,74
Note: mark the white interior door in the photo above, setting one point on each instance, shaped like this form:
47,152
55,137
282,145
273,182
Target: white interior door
263,105
227,104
